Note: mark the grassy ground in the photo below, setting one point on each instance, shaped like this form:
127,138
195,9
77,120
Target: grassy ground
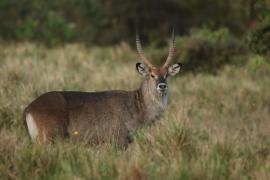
217,127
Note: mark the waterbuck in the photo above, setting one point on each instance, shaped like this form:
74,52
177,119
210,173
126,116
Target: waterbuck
96,117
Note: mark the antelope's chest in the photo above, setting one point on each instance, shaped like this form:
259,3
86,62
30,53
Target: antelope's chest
156,110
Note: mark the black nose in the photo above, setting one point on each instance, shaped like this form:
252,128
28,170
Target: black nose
162,86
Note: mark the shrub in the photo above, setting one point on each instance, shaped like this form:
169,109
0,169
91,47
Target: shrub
259,38
206,50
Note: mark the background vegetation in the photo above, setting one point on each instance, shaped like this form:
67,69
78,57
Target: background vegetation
112,21
217,125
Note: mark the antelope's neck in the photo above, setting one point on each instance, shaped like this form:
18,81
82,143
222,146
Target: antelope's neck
155,104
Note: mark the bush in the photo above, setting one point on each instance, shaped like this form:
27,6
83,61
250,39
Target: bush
259,38
206,50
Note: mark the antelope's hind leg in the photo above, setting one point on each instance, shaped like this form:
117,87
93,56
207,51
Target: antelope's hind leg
44,128
47,117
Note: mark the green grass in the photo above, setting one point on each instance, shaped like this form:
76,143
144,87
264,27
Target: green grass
217,126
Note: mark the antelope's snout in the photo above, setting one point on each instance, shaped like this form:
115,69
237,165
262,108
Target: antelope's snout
161,84
162,87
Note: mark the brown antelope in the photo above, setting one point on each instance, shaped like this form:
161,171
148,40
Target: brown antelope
96,117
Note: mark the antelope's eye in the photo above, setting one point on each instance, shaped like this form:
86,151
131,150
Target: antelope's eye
152,76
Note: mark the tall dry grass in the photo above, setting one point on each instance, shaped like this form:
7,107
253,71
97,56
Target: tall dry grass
217,127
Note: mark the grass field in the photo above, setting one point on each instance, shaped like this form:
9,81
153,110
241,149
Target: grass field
217,126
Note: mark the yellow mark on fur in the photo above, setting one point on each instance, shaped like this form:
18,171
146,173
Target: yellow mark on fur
76,133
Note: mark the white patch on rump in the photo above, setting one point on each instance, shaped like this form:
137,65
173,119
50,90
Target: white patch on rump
32,127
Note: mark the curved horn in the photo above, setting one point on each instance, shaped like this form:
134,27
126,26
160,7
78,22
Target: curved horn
141,53
171,52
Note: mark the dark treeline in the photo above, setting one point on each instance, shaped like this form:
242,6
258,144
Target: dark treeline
208,28
111,21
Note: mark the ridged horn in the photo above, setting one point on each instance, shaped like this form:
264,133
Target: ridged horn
172,51
141,53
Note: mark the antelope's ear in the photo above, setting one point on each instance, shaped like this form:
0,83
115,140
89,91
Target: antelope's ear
174,69
142,69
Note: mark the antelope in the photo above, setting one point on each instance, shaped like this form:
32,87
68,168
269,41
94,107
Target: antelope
97,117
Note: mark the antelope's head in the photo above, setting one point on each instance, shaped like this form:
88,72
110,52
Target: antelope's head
157,77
